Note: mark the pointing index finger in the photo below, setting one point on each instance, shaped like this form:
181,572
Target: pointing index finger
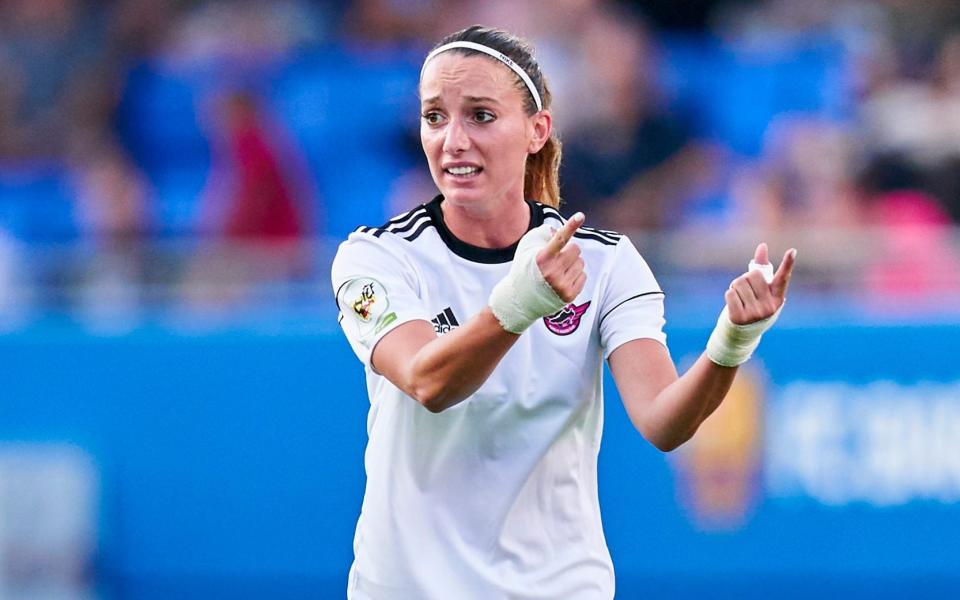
782,277
563,235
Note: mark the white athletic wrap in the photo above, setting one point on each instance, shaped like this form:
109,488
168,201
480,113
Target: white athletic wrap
765,269
730,344
524,296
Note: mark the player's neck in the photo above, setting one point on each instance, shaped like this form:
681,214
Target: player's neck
490,225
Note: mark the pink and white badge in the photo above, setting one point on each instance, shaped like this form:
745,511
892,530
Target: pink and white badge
566,320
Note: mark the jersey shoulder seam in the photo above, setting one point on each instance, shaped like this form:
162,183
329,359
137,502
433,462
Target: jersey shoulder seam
408,226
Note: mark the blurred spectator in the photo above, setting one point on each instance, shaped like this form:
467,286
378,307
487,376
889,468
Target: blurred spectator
139,28
916,256
384,23
628,161
916,120
111,194
111,200
256,205
259,193
804,178
919,117
48,49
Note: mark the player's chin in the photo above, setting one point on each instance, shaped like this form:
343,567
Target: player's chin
461,192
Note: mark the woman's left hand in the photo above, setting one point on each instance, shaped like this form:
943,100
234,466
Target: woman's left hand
752,297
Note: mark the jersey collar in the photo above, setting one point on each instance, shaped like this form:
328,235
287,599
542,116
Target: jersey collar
473,253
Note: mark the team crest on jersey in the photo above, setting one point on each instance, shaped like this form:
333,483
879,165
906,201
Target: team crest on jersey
361,306
366,300
566,320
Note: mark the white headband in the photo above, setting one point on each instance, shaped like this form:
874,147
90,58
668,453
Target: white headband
497,55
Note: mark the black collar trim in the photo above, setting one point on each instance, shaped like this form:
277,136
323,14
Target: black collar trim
490,256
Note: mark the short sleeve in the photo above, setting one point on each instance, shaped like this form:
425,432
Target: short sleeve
632,303
375,292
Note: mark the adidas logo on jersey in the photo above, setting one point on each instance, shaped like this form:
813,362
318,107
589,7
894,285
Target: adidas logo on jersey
444,322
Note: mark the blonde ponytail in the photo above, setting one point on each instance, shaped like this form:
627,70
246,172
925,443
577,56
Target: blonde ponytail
541,181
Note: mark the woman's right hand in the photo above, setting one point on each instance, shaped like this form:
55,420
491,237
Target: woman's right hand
560,262
546,274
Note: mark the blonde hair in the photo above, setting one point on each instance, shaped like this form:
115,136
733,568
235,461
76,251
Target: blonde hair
541,180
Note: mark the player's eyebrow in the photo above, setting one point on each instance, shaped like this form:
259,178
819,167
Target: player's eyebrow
482,100
435,100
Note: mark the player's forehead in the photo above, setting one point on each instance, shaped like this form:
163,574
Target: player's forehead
452,76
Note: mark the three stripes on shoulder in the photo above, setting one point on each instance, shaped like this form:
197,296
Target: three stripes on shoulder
408,225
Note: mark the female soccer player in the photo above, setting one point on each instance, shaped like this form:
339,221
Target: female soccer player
483,318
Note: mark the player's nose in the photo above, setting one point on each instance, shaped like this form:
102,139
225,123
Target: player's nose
456,139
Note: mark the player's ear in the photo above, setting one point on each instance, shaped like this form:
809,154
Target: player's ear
542,127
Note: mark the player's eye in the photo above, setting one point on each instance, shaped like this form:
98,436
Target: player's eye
484,116
432,117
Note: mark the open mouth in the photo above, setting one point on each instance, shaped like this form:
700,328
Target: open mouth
463,172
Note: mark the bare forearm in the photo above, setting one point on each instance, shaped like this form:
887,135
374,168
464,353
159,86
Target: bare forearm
679,409
668,409
452,367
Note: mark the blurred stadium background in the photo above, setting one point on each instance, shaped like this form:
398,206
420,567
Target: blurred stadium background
180,418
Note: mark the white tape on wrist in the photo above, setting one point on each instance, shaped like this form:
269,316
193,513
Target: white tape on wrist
524,296
731,345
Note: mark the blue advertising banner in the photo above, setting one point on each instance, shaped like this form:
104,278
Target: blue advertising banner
231,464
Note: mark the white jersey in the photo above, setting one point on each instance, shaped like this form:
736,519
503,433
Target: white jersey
495,497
